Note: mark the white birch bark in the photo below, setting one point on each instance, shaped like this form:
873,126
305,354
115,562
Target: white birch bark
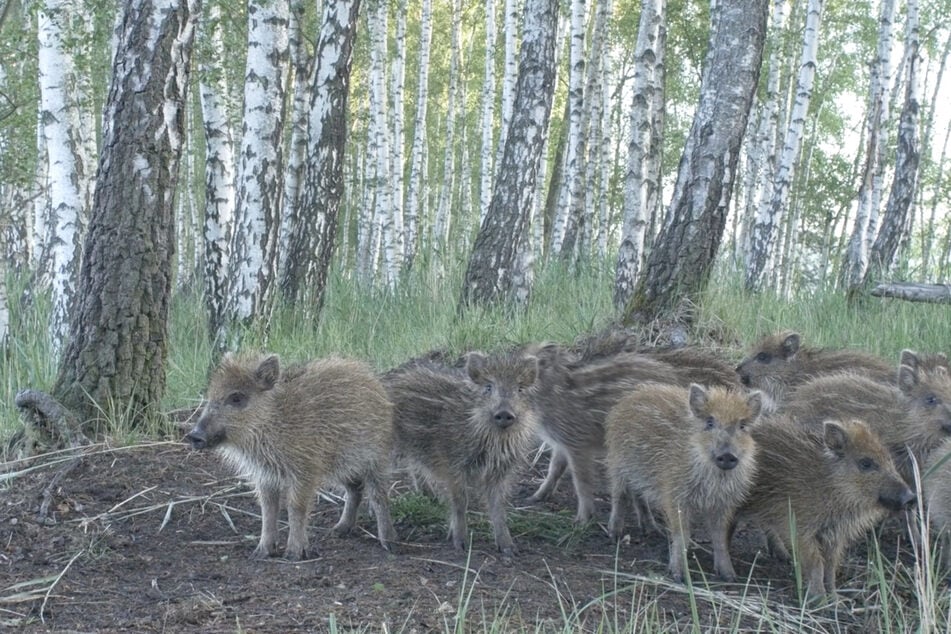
297,147
254,243
510,28
929,236
398,131
488,111
763,237
219,171
631,250
65,198
418,151
441,225
574,149
870,189
40,223
4,313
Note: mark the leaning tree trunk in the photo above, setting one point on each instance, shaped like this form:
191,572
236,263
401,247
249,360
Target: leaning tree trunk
493,263
683,254
114,363
312,239
902,194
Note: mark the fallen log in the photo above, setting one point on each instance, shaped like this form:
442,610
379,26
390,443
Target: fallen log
932,293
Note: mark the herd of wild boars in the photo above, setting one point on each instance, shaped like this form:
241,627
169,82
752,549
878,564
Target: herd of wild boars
812,446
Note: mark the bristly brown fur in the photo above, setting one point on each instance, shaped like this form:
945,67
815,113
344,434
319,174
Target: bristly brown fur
324,423
687,452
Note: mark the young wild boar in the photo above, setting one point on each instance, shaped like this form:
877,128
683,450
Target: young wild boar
914,415
688,452
467,431
696,365
836,482
323,423
574,395
778,363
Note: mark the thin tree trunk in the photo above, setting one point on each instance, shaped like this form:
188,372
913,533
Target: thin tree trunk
398,127
928,236
495,255
631,250
254,244
763,238
219,172
114,362
418,151
441,228
488,111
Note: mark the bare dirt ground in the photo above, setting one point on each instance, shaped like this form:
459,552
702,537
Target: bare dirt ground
157,538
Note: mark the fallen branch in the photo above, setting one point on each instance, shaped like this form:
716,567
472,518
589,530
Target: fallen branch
931,293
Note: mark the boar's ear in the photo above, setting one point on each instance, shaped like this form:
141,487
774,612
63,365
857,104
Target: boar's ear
527,371
268,372
791,345
698,400
475,367
755,402
907,378
834,437
909,358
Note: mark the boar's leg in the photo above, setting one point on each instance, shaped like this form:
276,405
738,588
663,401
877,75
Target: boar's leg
556,468
349,515
719,527
380,505
812,565
270,499
678,524
620,500
832,555
299,501
584,474
458,504
496,501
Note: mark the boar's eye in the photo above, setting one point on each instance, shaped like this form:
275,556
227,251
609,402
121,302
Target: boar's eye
867,464
931,400
710,423
237,399
764,357
487,389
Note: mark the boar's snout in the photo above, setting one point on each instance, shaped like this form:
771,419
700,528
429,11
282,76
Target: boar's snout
197,438
897,500
726,460
504,418
744,376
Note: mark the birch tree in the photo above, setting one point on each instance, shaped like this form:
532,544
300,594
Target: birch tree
574,148
441,224
683,253
855,261
114,361
312,240
254,241
905,182
64,213
636,181
488,111
510,28
397,131
418,150
490,274
763,238
219,169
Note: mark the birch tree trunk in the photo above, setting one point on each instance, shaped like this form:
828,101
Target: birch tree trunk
494,259
114,362
902,194
631,250
219,171
418,151
509,79
397,151
574,149
312,241
65,224
254,244
763,238
683,254
855,261
441,225
488,111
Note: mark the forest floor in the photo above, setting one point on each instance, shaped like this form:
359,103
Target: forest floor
155,537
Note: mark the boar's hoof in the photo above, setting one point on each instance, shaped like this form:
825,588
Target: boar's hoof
264,551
